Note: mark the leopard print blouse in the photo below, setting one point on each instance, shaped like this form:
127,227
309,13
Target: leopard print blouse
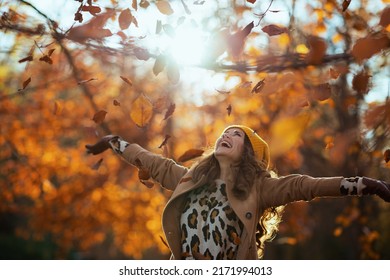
209,225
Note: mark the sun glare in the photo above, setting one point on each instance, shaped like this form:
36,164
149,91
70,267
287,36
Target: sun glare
187,46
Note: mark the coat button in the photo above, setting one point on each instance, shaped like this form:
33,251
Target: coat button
248,215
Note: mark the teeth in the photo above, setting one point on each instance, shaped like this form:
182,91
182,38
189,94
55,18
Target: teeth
226,144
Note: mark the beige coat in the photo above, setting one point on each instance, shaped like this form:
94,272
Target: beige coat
266,192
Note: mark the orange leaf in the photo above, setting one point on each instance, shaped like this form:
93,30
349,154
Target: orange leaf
164,7
273,30
93,10
86,81
322,92
134,5
127,81
317,50
125,19
251,1
190,154
229,109
142,111
99,116
144,4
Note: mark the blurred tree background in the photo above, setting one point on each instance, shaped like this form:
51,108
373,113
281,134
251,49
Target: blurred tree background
311,77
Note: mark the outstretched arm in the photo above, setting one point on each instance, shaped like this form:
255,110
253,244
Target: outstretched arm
163,170
282,190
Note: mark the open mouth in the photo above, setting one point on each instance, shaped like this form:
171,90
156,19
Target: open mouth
226,144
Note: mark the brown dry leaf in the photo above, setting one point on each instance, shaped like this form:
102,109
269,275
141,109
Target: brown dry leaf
126,80
385,17
28,58
170,111
190,154
360,82
57,108
164,7
365,48
144,4
116,103
134,5
229,109
99,116
143,173
125,19
46,59
93,10
317,51
159,65
141,53
97,164
258,87
386,155
86,81
236,41
50,52
173,72
273,30
148,184
251,1
346,4
25,84
141,111
164,242
165,141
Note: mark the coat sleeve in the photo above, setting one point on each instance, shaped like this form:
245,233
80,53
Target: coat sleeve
163,170
282,190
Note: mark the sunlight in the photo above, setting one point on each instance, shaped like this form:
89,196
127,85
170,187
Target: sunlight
187,45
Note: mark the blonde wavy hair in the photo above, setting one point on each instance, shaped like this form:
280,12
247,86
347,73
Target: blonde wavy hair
248,168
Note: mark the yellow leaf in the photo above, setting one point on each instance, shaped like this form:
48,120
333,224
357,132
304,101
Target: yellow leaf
286,133
141,111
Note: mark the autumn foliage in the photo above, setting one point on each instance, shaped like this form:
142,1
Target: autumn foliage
315,88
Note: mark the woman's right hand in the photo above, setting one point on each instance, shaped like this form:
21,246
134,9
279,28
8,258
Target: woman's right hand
100,146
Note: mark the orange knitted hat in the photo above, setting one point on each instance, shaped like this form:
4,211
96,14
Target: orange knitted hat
260,147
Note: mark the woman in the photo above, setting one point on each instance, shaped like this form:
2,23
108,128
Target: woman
225,206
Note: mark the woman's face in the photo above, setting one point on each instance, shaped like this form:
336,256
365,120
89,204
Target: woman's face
230,145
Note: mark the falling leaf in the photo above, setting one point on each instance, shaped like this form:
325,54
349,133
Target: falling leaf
386,155
258,87
46,59
236,41
116,103
245,84
28,58
25,84
360,82
199,2
141,54
144,4
170,111
385,17
173,72
57,108
93,10
134,5
50,52
164,7
164,242
158,26
86,81
229,109
346,4
317,51
223,91
143,173
148,184
165,141
78,17
251,1
188,12
273,30
126,80
190,154
99,116
159,65
365,48
97,164
125,19
141,111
